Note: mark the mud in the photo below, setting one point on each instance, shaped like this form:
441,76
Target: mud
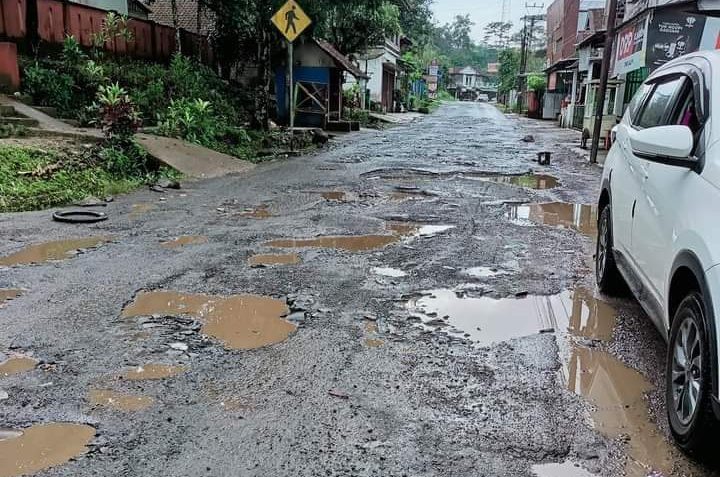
274,259
239,322
337,196
184,241
8,295
50,251
260,212
356,243
148,372
43,446
530,181
119,401
139,210
617,392
579,217
17,365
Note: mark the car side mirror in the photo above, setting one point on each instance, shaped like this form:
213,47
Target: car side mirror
670,145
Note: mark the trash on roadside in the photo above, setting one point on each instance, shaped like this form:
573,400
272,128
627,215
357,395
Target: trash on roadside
528,138
79,216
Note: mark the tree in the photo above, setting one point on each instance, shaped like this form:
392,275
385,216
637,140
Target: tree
497,34
509,69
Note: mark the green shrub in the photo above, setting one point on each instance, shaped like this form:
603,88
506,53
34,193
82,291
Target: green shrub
193,121
118,117
49,88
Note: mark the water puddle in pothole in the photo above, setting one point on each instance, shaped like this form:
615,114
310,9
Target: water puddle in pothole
8,295
148,372
617,394
140,209
529,181
259,212
17,365
484,272
184,241
488,320
360,243
274,259
579,217
239,321
119,401
42,446
389,272
373,342
337,196
51,251
566,469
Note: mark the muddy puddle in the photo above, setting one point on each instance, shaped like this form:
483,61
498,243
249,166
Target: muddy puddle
17,365
566,469
239,321
184,241
617,394
119,401
259,212
488,320
148,372
579,217
350,243
334,196
371,328
51,251
274,259
42,446
8,295
529,181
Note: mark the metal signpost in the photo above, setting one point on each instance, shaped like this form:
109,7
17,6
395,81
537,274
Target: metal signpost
291,20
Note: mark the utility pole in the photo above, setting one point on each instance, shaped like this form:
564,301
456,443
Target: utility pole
526,46
604,73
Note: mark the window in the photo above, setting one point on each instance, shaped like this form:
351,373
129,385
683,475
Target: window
656,110
686,114
637,99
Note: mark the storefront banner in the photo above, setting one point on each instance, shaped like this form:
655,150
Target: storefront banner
635,7
711,35
630,48
672,34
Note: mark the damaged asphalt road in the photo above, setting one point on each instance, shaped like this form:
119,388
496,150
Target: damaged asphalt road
235,328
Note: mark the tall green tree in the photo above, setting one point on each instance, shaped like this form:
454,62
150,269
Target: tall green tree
509,69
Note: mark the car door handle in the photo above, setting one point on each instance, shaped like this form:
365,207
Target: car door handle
633,209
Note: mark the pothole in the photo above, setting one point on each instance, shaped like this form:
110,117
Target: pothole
119,401
486,320
350,243
529,181
8,295
484,272
149,372
579,217
17,365
140,209
335,196
259,212
50,251
239,321
274,259
184,241
617,392
566,469
43,446
389,272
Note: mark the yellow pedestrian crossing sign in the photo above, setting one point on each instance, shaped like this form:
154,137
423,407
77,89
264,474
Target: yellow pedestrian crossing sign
291,20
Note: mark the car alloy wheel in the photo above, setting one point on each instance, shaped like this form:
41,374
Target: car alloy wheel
686,371
602,247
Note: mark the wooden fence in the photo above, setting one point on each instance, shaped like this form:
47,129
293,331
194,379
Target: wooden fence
56,19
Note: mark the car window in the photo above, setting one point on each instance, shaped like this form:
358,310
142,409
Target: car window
637,100
686,113
659,103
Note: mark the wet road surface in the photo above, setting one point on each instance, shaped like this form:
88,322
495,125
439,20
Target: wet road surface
411,302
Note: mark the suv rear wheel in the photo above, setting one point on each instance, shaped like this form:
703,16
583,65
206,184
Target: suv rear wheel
688,377
607,275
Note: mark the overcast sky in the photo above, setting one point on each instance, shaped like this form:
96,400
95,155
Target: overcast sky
481,12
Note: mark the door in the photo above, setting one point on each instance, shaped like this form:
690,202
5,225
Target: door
623,181
665,187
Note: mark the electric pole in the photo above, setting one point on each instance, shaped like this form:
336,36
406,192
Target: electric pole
604,73
526,46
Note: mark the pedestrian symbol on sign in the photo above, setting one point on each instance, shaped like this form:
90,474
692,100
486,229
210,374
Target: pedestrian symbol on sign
291,20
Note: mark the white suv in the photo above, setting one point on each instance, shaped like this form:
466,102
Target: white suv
656,230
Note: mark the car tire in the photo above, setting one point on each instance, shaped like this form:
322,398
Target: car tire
688,378
607,274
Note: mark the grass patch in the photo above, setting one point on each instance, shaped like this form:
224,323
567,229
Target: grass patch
20,190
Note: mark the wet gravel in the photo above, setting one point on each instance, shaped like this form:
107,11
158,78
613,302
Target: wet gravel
338,397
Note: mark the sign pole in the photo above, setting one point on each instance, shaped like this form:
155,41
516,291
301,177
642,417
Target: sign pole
604,74
292,93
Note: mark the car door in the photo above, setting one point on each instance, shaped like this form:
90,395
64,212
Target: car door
623,179
665,187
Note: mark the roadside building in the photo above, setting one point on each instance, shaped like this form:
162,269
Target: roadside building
319,72
380,65
468,83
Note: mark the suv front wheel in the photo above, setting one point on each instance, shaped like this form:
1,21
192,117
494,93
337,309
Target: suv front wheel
608,277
